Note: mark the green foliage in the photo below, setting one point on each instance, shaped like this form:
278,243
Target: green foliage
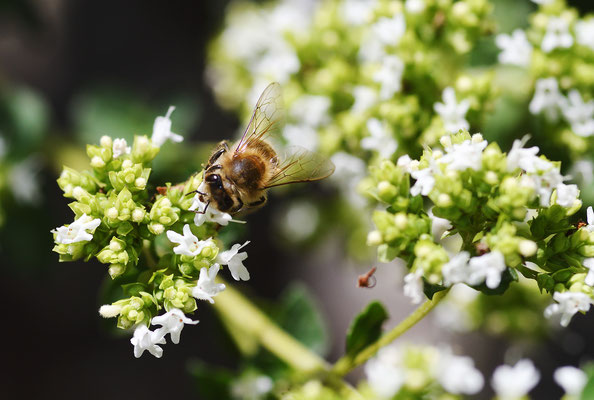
365,328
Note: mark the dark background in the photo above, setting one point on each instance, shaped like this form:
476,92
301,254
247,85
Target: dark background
56,345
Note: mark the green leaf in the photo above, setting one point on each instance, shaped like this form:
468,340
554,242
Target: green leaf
588,391
212,383
545,282
563,275
133,289
299,316
430,289
508,276
386,253
366,328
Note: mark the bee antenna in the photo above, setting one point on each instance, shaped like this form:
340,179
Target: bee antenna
195,191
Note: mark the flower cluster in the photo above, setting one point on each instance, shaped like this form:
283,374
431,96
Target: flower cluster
408,370
493,215
557,52
387,54
413,370
164,254
362,80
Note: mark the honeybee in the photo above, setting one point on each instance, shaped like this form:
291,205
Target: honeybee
237,177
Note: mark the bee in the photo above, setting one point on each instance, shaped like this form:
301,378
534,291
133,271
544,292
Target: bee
237,177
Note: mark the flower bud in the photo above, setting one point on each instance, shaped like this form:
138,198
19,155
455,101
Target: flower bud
116,270
110,310
112,213
138,215
105,141
97,162
374,238
527,248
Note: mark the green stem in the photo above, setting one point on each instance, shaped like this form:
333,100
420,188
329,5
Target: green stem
241,313
346,364
250,323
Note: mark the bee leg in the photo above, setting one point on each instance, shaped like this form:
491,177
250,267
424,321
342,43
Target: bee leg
222,148
259,202
205,208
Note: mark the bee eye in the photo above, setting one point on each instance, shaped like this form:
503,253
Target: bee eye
212,178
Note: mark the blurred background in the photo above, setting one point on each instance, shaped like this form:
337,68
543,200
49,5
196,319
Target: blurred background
72,71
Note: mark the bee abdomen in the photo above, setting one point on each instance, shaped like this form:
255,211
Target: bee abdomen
247,172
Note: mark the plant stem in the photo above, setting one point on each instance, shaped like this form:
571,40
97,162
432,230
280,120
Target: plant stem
248,321
346,364
241,313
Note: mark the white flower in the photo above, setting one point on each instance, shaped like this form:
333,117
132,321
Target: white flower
414,6
488,268
211,214
526,159
120,147
515,48
568,303
389,31
384,374
452,113
457,374
349,171
311,110
590,218
584,33
357,12
171,323
206,287
301,135
299,220
571,379
546,98
468,154
579,115
162,130
567,195
278,63
365,97
189,244
23,178
234,261
407,163
424,181
583,170
456,270
145,339
389,76
381,139
453,313
78,231
542,2
251,387
557,35
515,382
544,184
413,286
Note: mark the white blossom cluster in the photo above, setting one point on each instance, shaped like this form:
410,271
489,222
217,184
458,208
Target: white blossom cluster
517,50
389,371
539,174
187,244
206,288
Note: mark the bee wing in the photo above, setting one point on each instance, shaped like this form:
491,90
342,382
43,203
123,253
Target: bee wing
300,165
266,119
